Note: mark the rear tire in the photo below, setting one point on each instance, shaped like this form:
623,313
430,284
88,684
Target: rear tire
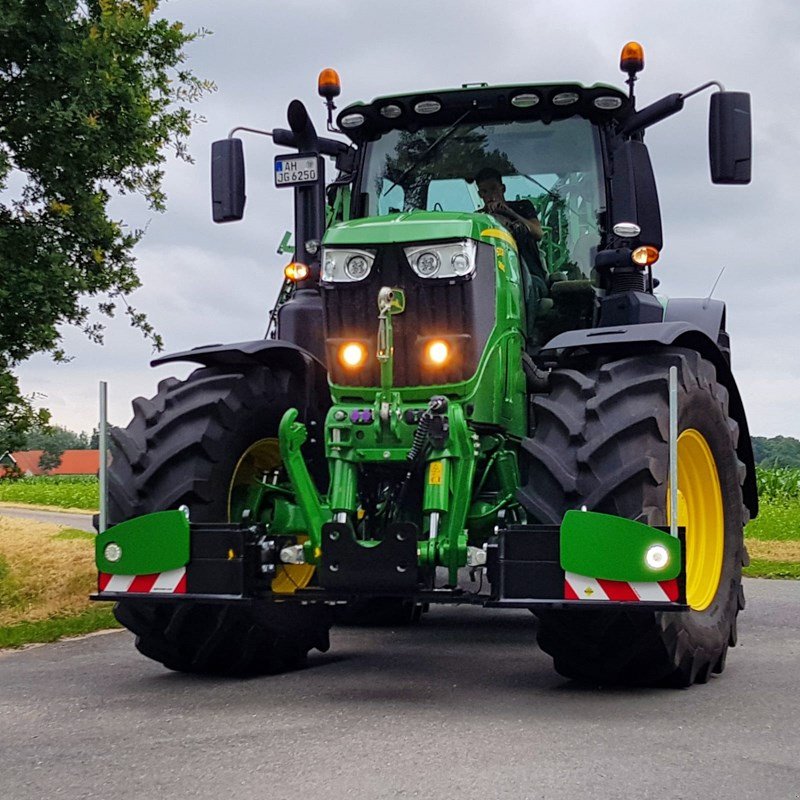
601,440
182,448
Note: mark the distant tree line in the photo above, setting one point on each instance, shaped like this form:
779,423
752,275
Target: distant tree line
777,451
58,438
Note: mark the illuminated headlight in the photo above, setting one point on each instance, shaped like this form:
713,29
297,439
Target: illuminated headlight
657,556
452,260
112,552
346,266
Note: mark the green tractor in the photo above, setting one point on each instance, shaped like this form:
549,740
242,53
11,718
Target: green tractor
460,400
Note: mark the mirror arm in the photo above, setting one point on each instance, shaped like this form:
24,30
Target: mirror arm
661,109
719,86
249,130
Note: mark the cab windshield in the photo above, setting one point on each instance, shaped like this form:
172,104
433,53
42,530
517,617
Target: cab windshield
555,166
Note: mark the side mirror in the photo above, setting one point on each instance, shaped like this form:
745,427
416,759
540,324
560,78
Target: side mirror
729,137
634,197
227,180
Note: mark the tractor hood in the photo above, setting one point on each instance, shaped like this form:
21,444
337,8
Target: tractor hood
414,226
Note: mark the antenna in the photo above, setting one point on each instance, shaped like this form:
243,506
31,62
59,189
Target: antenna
705,304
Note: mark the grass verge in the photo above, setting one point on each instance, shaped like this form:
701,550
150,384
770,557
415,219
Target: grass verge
772,569
43,507
96,618
46,575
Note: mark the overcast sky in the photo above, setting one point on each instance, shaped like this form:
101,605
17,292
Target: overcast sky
215,283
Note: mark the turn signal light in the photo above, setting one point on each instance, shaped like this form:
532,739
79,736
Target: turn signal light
437,352
328,84
352,355
645,256
296,272
632,58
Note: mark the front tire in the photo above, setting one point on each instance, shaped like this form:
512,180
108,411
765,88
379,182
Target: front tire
601,440
184,447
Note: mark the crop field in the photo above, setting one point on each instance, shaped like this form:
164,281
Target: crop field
58,491
773,538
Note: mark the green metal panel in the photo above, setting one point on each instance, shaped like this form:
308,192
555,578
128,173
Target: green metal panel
151,543
413,226
496,392
614,549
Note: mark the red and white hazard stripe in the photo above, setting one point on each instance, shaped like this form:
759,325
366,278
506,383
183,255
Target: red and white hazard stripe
171,582
580,587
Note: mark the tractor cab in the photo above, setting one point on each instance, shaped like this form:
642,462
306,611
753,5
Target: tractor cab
422,153
419,155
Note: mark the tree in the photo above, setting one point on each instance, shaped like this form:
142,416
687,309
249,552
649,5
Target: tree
777,451
55,438
51,457
92,96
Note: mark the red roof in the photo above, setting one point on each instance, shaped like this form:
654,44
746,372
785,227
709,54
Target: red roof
73,462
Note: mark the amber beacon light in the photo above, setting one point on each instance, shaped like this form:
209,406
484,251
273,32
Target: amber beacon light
632,58
328,84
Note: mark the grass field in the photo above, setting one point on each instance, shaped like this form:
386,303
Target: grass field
46,575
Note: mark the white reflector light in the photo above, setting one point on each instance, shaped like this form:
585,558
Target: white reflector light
657,556
391,111
112,552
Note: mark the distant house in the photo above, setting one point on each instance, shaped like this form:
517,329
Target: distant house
73,462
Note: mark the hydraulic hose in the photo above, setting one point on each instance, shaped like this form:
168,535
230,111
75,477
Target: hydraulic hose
437,405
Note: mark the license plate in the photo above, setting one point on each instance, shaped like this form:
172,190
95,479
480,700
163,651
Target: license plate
296,170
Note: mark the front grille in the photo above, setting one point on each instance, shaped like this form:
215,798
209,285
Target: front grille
461,311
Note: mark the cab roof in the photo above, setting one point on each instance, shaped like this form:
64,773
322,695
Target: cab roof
483,103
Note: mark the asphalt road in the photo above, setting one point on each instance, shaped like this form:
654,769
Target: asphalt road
82,522
465,706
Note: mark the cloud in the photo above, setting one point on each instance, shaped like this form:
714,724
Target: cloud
215,283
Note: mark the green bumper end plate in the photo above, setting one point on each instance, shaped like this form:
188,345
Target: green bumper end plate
144,545
617,549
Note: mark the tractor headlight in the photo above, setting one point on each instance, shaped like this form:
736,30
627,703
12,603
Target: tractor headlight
426,264
451,260
346,266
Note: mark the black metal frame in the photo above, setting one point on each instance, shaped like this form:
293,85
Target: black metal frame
234,563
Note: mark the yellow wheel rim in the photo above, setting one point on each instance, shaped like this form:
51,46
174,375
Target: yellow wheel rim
265,457
700,512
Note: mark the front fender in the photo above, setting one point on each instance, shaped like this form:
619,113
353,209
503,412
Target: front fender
265,353
624,339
